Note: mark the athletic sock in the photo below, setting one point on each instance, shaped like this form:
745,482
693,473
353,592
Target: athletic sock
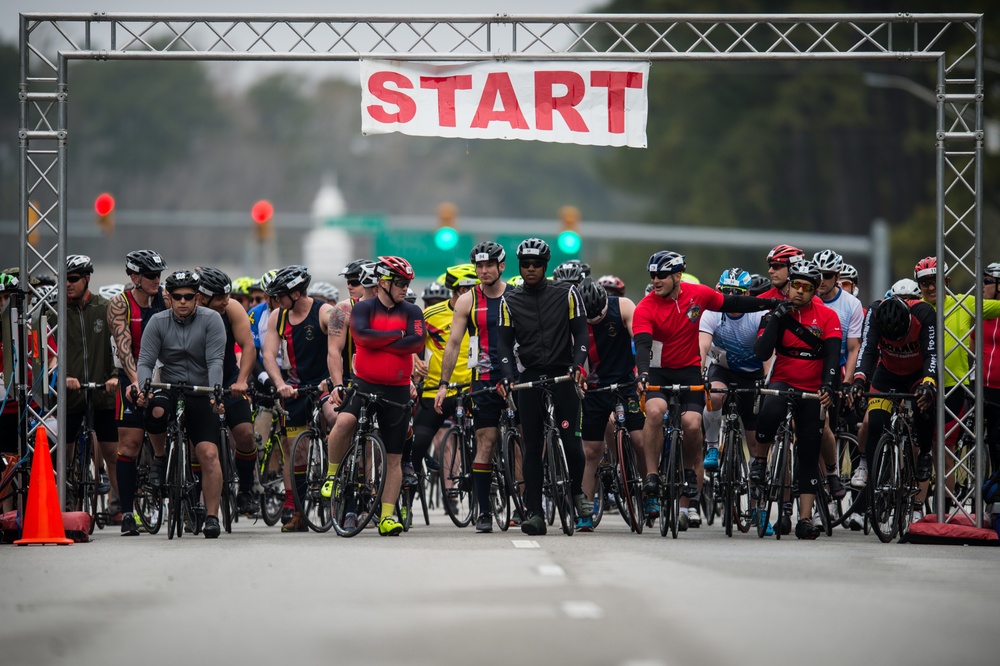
126,482
331,469
482,477
244,469
387,510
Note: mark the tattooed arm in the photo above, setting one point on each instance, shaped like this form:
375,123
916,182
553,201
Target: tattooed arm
122,334
338,325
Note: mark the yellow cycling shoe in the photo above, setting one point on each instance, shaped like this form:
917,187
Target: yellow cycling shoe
327,489
389,527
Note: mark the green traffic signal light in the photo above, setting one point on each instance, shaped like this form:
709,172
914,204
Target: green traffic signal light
445,238
569,242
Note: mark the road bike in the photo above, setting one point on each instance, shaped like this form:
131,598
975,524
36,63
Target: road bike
892,483
620,474
309,452
733,484
269,484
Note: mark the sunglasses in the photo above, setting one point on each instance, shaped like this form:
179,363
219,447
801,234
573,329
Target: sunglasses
400,282
529,263
660,275
73,279
354,283
927,282
183,297
257,300
733,291
802,285
829,276
846,284
151,276
995,283
774,266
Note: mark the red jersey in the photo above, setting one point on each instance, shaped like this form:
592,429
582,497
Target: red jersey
795,363
991,353
386,339
673,323
774,292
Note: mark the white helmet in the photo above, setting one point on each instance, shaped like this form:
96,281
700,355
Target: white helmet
109,291
906,288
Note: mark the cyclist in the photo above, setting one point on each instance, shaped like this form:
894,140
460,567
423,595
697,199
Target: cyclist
849,280
477,316
613,285
991,366
324,292
548,323
128,315
90,358
213,293
778,261
387,332
352,274
804,337
569,271
899,353
434,293
190,343
241,292
300,330
758,284
667,352
612,361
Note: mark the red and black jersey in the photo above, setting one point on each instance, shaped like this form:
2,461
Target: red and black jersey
386,339
774,292
673,324
139,316
305,346
915,353
798,362
610,350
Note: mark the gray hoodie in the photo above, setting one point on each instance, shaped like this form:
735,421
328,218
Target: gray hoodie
191,350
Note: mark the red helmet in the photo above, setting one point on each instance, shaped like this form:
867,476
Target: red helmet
785,254
612,284
926,267
394,266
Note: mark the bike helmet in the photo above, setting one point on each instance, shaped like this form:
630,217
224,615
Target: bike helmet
213,282
534,248
435,292
649,288
289,279
666,261
8,283
759,284
80,264
488,251
582,265
568,272
993,270
805,270
144,261
242,286
516,281
612,284
893,318
411,296
389,267
905,288
926,267
828,261
354,268
735,279
181,279
266,279
463,275
849,272
367,276
595,299
109,291
785,254
324,290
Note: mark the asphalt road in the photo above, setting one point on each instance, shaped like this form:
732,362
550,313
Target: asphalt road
439,595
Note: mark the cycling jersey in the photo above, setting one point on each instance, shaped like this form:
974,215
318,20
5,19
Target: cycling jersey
258,324
799,363
139,316
958,324
437,322
611,357
191,350
991,353
852,318
484,317
673,324
230,368
733,338
89,355
915,353
304,347
386,338
774,292
548,323
347,353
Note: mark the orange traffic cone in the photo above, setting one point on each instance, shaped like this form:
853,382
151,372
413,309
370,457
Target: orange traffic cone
42,518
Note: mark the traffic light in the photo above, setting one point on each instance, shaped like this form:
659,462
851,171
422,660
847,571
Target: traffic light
446,236
261,214
104,207
569,230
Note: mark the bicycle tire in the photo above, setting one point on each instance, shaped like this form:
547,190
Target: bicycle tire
358,485
272,483
883,487
629,483
774,491
822,503
671,488
227,499
86,478
707,498
727,480
500,492
176,488
562,495
511,444
846,442
148,500
315,509
742,505
422,493
457,489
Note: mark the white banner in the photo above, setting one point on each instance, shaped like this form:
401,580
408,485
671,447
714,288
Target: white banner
589,103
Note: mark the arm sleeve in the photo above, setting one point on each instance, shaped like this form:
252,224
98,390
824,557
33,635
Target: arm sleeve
745,304
215,348
413,341
771,328
363,333
831,363
149,351
928,341
870,336
578,328
643,351
505,342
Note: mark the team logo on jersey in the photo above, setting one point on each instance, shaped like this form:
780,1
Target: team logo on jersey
98,326
815,330
611,329
310,332
693,312
418,327
632,406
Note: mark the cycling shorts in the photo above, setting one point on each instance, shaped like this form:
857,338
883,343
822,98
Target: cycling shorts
691,401
393,422
104,424
597,407
127,413
237,411
486,408
200,422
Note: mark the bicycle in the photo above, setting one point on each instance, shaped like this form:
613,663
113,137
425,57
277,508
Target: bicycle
82,485
673,485
848,457
230,479
733,474
621,475
360,479
892,483
309,450
510,458
458,450
269,484
149,499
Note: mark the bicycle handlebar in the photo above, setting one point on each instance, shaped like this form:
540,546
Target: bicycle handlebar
375,397
93,386
541,383
675,388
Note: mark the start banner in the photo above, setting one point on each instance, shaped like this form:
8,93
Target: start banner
589,103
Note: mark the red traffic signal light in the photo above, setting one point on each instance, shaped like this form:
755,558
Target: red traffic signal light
104,204
262,211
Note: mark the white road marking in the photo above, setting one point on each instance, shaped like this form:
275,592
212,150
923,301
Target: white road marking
524,543
551,570
582,610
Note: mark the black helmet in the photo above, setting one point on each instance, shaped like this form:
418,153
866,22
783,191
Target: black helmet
181,279
893,318
213,282
568,271
144,261
805,270
582,265
666,261
354,268
759,284
435,291
488,251
289,279
79,263
595,298
534,248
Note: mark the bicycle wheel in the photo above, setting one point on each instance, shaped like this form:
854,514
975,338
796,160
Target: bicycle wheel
148,500
841,510
562,493
883,489
774,490
84,478
500,492
176,488
742,504
822,503
315,509
511,444
456,478
357,488
230,482
708,498
272,485
629,483
404,507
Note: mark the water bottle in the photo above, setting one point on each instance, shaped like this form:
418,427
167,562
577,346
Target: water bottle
619,413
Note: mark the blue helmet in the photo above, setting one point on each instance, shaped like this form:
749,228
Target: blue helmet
666,261
736,279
